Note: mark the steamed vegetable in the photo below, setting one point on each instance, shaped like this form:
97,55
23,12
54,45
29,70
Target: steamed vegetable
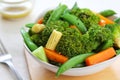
37,28
72,43
55,15
40,54
102,23
29,25
32,46
117,20
86,16
73,62
40,21
46,16
107,13
42,37
115,29
101,56
107,21
105,45
53,40
54,56
75,21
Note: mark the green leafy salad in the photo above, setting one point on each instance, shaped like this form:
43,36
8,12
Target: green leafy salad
76,37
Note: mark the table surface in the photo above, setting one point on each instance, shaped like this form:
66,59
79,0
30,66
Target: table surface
10,30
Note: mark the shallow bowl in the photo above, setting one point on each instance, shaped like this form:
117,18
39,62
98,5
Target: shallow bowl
74,71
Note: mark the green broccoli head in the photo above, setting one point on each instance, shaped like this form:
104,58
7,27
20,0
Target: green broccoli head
47,15
42,37
72,43
87,16
115,29
99,33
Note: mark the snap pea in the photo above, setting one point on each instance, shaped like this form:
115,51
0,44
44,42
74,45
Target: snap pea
118,52
30,25
75,21
75,6
107,13
72,62
105,45
27,40
57,13
117,20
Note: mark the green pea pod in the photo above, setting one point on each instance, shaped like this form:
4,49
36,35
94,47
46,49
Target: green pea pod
30,25
72,62
75,6
118,52
75,21
105,45
107,13
27,40
117,20
57,13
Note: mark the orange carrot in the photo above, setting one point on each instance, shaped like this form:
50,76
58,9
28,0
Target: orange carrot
72,26
107,21
52,55
102,23
40,21
101,56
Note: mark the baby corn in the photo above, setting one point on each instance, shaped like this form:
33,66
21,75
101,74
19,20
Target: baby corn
38,28
53,40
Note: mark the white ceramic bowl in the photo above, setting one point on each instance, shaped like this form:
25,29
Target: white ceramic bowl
75,71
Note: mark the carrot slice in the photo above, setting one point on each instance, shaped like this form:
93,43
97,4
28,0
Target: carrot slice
54,56
107,21
102,23
40,21
101,56
72,26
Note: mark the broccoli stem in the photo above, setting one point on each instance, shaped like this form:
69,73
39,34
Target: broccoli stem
57,13
75,21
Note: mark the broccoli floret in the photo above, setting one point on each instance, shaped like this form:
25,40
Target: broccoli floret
36,38
42,37
86,16
72,43
115,28
118,51
99,33
101,36
46,17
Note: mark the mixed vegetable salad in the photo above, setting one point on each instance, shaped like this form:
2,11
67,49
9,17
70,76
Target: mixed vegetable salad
75,37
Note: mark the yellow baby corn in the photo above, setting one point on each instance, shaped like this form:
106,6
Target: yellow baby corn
38,28
53,40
